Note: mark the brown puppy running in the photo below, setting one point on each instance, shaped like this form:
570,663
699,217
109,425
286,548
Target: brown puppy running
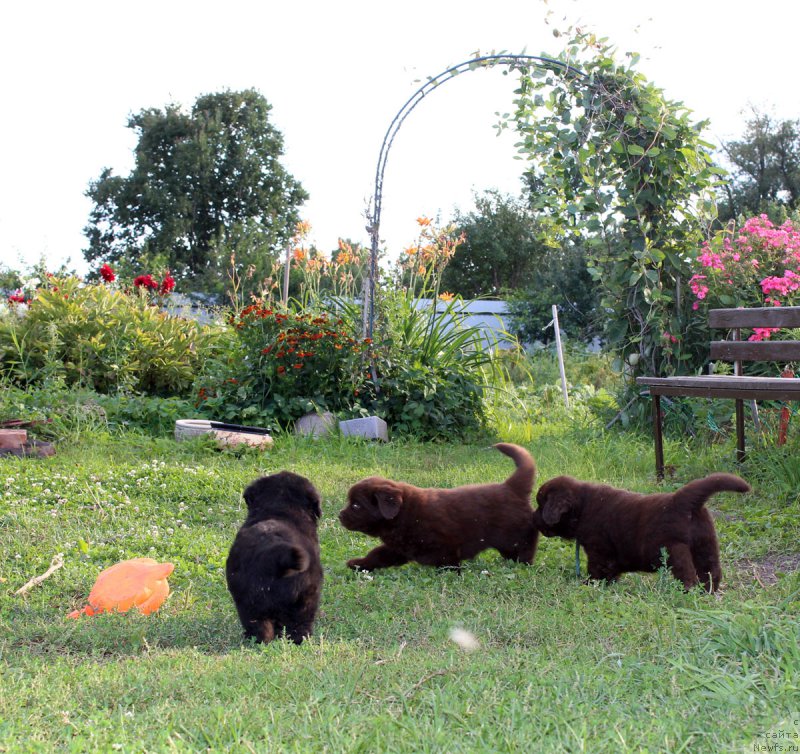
442,527
627,531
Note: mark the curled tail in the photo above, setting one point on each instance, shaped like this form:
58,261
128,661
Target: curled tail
522,480
290,560
697,492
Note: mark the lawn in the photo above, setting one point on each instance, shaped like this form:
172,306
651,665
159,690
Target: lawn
639,666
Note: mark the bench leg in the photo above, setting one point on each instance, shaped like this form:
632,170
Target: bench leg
740,431
659,445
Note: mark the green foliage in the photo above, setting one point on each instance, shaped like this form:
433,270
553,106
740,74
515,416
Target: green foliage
563,279
531,401
424,373
274,365
151,415
10,280
765,170
99,337
431,371
615,160
505,248
58,413
205,185
55,412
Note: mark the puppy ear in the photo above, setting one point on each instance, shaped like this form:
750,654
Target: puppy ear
389,500
249,495
557,504
314,503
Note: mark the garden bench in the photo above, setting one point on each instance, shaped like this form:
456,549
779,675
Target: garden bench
738,386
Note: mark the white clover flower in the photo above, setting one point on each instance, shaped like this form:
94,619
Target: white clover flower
464,639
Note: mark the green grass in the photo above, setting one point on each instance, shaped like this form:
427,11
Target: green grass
639,666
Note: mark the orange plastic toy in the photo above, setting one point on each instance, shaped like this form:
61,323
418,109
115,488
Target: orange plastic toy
141,582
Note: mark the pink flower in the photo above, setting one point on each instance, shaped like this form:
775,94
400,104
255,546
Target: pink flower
762,333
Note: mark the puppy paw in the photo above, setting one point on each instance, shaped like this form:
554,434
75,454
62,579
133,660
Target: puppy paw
357,564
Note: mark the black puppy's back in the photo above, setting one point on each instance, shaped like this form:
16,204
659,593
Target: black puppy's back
273,569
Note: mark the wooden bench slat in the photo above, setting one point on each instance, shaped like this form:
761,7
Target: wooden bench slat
767,316
729,393
712,386
763,350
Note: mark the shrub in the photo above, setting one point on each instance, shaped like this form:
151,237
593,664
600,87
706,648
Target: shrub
758,266
101,337
54,412
282,364
430,370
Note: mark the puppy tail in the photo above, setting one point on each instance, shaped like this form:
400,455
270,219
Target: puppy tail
522,480
265,631
291,560
695,494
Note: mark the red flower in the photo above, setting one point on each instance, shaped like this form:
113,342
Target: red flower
167,285
17,298
298,365
107,273
281,369
145,281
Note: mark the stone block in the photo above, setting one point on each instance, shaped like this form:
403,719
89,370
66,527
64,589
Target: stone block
370,427
315,425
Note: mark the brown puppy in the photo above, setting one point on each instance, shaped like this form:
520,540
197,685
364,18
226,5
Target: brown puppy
442,527
626,531
273,569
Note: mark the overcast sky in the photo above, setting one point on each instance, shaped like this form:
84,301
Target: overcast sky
336,74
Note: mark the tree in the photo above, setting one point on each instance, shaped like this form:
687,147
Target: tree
504,244
765,175
205,185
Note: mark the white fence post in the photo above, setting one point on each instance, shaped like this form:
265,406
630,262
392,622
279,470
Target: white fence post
560,357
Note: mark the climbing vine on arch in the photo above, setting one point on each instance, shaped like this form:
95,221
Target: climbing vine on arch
623,166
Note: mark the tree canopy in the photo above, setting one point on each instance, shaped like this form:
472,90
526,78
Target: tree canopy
503,245
765,168
205,184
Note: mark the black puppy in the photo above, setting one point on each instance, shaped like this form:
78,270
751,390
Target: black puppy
273,570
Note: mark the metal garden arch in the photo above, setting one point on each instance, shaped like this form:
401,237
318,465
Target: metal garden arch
522,62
